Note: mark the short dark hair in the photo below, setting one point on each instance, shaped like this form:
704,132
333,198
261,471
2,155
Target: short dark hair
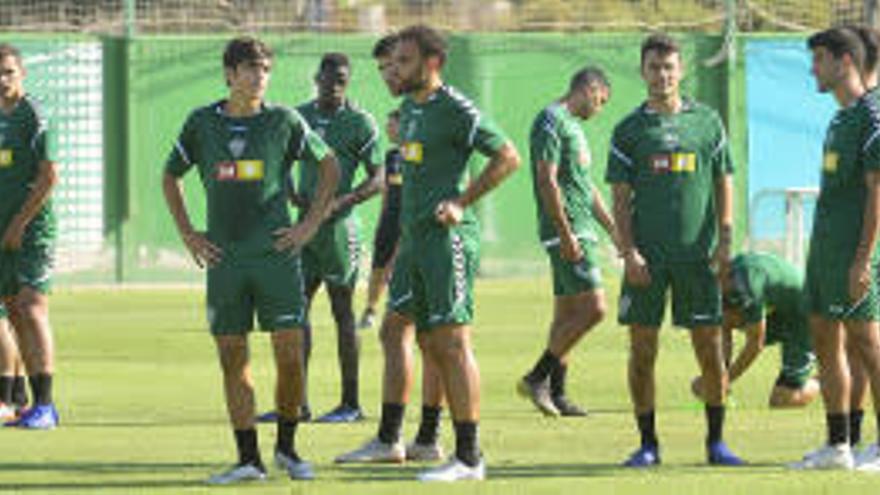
7,50
587,77
840,42
430,42
334,60
245,49
662,43
870,39
385,45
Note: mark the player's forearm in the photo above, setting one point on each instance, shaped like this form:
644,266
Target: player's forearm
751,349
501,165
172,189
870,217
600,211
551,199
369,187
47,178
328,178
622,211
724,207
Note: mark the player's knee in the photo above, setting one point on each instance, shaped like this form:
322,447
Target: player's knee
30,306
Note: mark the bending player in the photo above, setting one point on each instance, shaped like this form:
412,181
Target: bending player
763,297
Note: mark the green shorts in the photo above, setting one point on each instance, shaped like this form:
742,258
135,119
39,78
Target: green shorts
796,348
333,255
826,289
696,297
30,266
433,280
270,286
574,278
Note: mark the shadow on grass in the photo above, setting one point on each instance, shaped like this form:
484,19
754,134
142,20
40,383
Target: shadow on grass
550,470
117,469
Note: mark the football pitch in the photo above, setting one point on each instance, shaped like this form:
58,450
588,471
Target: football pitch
139,393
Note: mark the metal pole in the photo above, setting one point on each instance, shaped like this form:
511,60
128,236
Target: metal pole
130,13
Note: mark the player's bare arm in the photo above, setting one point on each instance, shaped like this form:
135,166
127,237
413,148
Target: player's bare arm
605,219
293,238
204,252
372,185
551,202
47,178
860,271
635,267
724,205
752,347
500,165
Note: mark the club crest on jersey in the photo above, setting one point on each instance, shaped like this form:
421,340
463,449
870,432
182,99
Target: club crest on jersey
236,146
240,170
412,152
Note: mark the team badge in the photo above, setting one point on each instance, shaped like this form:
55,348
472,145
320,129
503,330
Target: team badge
829,162
412,152
236,146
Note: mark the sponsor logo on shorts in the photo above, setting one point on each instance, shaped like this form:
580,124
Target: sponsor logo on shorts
702,317
582,272
286,318
624,305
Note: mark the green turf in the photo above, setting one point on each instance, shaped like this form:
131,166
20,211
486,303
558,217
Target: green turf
142,412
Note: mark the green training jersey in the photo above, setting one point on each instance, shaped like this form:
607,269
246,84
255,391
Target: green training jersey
352,135
764,285
557,137
24,144
672,163
851,149
244,163
438,137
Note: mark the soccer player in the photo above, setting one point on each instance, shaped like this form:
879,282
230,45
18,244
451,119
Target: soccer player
397,335
27,177
332,256
388,230
669,167
244,149
841,284
432,284
567,204
871,453
763,296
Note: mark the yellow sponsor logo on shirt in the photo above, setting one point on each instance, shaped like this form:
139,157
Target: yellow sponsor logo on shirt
249,169
395,179
5,158
829,162
412,151
683,162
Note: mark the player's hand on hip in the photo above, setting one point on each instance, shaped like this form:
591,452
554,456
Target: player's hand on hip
449,213
293,238
859,278
204,252
570,248
12,236
636,269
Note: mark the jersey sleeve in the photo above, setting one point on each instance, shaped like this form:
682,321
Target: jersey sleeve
720,159
40,138
305,144
183,154
370,151
621,164
545,144
871,142
484,135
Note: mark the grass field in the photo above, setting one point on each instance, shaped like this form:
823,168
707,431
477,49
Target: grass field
139,394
